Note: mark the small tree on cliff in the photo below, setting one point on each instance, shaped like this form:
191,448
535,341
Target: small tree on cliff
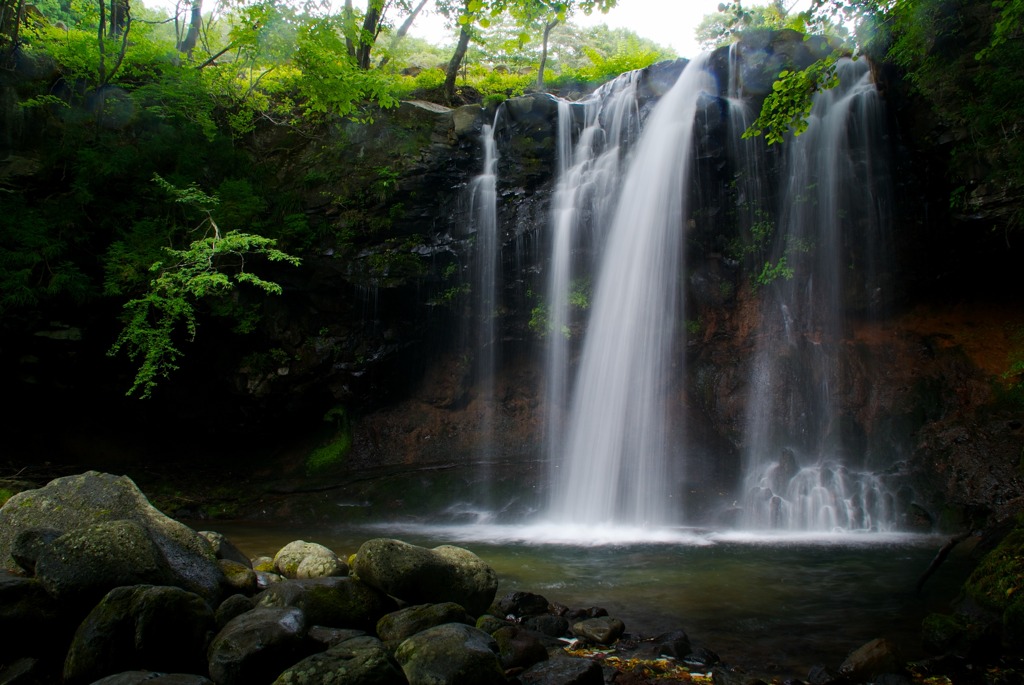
209,267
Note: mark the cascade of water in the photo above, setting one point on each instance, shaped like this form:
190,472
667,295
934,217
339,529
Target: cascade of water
484,211
803,470
588,175
614,466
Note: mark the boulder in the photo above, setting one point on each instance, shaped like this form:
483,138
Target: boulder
143,627
358,661
301,559
336,602
451,654
427,576
232,607
519,648
563,671
86,563
238,577
518,603
74,503
603,630
871,660
546,624
404,623
258,646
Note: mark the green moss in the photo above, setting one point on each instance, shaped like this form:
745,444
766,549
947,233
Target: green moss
5,494
999,579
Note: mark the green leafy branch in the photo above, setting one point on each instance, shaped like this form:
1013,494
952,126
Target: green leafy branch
789,104
210,266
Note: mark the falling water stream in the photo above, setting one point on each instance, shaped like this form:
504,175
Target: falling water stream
805,468
616,456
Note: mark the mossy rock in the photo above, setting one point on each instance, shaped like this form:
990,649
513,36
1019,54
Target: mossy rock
998,580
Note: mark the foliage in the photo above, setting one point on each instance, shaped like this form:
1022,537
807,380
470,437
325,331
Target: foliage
788,106
209,267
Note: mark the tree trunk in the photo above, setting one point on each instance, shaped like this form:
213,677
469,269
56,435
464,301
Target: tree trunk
349,15
368,34
544,53
188,43
10,26
453,66
119,11
402,30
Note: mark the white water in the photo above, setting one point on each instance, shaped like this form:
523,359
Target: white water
615,462
803,469
589,172
487,276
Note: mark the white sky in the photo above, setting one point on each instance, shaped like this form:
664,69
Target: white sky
667,22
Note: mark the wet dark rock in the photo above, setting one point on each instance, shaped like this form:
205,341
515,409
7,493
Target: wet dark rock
489,623
675,644
603,630
547,624
257,646
518,603
231,607
563,671
871,660
451,654
702,658
519,648
238,577
357,661
334,602
141,628
404,623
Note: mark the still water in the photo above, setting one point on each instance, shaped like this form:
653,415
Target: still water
763,603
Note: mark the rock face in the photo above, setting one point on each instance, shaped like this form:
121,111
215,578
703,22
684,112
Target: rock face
110,535
419,575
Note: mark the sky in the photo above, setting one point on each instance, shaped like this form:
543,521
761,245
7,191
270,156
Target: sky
670,23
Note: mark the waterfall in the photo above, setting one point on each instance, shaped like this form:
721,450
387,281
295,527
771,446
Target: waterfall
805,463
589,173
486,281
614,461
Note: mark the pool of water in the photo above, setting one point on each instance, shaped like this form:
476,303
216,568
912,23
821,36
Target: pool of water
766,604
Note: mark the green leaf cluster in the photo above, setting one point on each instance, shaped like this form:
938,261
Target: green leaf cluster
209,267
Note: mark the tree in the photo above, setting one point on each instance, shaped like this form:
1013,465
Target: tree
209,267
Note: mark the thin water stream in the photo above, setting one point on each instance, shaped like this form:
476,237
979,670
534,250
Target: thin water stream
766,604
